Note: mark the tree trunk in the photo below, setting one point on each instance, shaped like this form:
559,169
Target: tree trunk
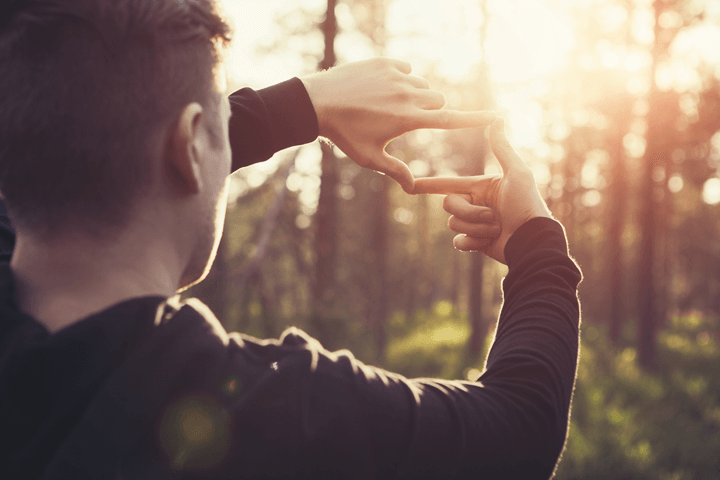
422,282
379,281
374,29
648,314
616,220
326,216
479,327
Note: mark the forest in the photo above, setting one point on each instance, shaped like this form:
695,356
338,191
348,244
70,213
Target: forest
615,105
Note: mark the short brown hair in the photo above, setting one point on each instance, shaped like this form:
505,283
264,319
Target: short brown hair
83,83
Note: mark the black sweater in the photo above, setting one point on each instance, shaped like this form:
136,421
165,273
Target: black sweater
154,389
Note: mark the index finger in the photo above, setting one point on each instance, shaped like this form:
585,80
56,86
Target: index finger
444,185
483,189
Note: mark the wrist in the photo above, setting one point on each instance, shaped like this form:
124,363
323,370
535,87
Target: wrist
316,91
537,231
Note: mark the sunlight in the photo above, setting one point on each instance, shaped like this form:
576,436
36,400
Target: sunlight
527,39
442,34
711,191
698,45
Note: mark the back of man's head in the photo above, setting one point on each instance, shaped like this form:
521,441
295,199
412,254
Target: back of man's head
83,86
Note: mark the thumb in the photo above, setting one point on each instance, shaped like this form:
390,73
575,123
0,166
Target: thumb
504,152
397,170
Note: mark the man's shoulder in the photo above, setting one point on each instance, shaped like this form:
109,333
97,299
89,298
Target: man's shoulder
189,328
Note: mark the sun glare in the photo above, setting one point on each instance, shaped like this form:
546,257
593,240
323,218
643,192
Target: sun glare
527,44
443,34
527,39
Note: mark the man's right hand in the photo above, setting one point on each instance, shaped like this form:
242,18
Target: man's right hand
514,196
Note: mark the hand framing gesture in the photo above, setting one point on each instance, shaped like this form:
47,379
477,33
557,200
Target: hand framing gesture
513,197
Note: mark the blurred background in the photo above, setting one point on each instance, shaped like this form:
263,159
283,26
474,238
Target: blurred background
616,107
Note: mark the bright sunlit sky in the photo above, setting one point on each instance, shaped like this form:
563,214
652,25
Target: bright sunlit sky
527,42
527,39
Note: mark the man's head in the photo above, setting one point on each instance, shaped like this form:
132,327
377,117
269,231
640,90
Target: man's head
96,100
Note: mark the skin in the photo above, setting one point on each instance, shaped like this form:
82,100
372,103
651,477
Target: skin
173,235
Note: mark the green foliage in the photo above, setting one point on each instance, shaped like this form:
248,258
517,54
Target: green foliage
431,344
629,424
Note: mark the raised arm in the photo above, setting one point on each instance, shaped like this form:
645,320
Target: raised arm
359,106
512,422
352,420
266,121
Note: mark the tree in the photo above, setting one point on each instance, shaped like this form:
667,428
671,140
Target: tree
478,324
372,25
326,216
618,189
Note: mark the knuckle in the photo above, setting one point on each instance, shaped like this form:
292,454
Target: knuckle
407,122
476,214
403,94
381,62
362,161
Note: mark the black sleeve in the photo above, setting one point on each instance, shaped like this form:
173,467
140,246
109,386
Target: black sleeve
266,121
511,423
7,235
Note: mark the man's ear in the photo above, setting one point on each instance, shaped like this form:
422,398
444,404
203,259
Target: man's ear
183,150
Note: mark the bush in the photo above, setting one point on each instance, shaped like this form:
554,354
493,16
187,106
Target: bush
629,424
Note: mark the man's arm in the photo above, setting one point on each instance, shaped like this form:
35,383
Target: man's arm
345,419
359,106
512,422
266,121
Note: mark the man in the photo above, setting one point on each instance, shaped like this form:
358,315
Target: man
114,157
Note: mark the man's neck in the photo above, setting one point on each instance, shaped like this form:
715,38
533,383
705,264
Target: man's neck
63,282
